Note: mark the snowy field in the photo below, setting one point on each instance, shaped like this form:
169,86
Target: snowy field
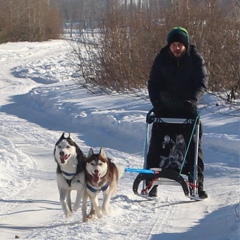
40,99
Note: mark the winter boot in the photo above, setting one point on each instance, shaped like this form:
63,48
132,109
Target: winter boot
153,191
201,193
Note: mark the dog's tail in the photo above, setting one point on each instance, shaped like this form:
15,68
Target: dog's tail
120,170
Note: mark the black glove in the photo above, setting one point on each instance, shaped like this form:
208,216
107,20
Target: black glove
189,105
150,117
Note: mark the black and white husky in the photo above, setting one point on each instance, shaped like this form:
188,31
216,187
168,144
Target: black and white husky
70,172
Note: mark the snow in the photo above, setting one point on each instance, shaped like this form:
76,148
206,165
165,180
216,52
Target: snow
40,99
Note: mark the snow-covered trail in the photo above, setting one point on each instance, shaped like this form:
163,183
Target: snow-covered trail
23,146
39,102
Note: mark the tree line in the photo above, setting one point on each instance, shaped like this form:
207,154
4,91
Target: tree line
118,39
122,51
29,20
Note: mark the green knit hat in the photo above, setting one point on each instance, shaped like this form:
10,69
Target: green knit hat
178,34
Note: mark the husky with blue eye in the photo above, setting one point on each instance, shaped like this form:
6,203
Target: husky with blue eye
70,172
102,175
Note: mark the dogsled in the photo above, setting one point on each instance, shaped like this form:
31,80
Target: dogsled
173,163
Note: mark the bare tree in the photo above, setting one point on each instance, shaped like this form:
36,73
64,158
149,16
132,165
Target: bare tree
29,20
132,32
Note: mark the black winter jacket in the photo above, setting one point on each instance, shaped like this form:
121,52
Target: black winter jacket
173,79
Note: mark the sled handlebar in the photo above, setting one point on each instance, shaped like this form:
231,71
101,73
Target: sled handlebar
171,117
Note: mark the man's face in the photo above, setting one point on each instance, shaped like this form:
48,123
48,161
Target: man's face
177,49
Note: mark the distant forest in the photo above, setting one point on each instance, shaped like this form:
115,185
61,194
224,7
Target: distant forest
126,35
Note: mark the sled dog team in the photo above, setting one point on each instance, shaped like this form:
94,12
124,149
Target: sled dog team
87,175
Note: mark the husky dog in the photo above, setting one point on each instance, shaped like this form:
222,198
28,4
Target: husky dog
70,174
102,175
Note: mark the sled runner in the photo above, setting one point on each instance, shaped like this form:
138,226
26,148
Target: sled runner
173,162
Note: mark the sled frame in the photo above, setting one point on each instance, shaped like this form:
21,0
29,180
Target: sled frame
167,173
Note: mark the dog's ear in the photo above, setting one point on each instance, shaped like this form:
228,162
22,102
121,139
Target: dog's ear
60,139
102,153
90,152
62,136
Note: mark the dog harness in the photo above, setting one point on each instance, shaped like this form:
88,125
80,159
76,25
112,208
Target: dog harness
103,188
68,174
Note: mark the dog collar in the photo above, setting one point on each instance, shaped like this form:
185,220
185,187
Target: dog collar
103,188
68,174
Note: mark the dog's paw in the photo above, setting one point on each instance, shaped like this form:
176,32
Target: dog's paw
105,211
99,212
90,216
86,219
75,207
68,214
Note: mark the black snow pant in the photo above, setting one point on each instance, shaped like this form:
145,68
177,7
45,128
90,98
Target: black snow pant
156,149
